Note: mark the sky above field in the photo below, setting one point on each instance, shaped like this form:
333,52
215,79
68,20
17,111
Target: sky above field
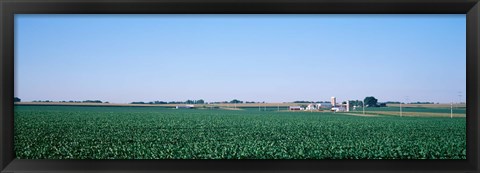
271,58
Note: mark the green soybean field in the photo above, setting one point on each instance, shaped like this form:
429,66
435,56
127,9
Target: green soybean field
89,132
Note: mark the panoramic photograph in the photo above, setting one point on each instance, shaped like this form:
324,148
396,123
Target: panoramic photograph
239,86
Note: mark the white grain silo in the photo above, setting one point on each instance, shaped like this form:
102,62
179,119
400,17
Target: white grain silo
348,106
334,102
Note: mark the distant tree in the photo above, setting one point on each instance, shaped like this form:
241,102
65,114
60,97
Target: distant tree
344,102
92,101
370,101
303,101
421,103
189,102
355,103
16,99
201,101
236,101
137,103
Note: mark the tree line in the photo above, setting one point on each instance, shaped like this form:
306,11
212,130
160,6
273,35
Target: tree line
71,101
303,101
201,101
369,101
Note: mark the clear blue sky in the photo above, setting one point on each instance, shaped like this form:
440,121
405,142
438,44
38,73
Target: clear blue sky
272,58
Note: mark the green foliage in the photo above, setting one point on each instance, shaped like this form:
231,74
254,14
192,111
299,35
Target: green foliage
92,101
236,101
201,101
421,103
355,103
392,102
69,132
370,101
419,109
16,99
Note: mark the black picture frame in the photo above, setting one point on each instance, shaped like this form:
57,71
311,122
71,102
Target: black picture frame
11,7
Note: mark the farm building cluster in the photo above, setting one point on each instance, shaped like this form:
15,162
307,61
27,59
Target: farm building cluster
333,106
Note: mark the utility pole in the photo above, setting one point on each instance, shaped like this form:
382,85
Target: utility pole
459,98
363,103
451,110
400,109
406,102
